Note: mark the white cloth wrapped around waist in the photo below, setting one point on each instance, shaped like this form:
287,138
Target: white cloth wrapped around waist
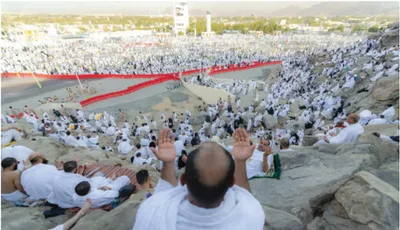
14,196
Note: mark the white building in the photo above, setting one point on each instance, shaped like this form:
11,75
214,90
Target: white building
208,22
181,18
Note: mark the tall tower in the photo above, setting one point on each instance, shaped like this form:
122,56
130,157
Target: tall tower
208,22
181,18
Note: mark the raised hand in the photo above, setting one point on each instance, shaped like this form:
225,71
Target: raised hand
267,151
242,150
166,148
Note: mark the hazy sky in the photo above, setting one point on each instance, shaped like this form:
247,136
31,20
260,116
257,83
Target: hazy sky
217,7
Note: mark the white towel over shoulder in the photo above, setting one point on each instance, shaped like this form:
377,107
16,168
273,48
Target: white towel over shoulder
170,209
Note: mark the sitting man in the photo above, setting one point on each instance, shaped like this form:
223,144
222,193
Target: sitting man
64,185
284,146
11,188
19,152
144,180
254,164
213,192
10,134
348,134
101,191
124,148
37,180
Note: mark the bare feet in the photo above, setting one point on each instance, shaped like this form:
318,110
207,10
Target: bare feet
80,169
113,177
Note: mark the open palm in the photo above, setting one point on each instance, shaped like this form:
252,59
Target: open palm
166,149
242,150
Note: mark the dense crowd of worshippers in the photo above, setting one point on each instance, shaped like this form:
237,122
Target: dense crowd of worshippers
31,178
121,56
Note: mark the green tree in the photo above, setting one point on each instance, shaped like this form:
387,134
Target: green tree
181,33
82,29
373,29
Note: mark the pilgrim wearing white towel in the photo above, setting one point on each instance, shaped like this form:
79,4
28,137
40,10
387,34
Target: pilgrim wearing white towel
102,191
64,186
350,133
389,113
19,152
38,180
9,135
187,206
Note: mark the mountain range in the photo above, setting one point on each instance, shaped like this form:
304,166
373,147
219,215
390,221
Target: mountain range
199,8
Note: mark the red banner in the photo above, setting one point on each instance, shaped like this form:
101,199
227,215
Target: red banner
157,78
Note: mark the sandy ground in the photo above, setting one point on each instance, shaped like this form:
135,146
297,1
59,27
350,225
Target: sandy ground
28,93
249,74
151,101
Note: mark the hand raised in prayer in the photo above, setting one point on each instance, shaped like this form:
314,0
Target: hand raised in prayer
104,188
242,150
267,151
166,149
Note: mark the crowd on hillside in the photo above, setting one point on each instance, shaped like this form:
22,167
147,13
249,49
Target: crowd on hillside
263,121
121,56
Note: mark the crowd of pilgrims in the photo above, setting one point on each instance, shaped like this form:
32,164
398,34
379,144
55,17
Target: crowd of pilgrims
137,142
121,56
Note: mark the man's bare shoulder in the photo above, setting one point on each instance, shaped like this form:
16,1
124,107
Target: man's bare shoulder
11,174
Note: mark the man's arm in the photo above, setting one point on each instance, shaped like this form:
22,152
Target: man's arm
241,175
71,222
265,164
166,153
242,150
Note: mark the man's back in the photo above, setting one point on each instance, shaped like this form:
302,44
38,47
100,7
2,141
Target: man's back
99,198
38,180
64,188
348,134
8,181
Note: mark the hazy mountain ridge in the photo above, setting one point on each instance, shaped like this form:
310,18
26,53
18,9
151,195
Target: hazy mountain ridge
343,9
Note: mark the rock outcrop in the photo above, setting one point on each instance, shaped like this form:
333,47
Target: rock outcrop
363,202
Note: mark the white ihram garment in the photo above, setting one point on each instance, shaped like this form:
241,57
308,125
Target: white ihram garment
169,209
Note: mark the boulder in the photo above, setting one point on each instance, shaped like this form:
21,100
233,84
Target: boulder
270,121
364,202
386,88
280,220
198,120
318,175
309,140
294,125
390,38
370,201
389,173
123,217
382,149
17,218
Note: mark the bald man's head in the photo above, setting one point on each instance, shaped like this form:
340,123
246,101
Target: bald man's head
209,173
353,118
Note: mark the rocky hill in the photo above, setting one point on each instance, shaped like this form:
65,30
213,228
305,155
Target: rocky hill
350,186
